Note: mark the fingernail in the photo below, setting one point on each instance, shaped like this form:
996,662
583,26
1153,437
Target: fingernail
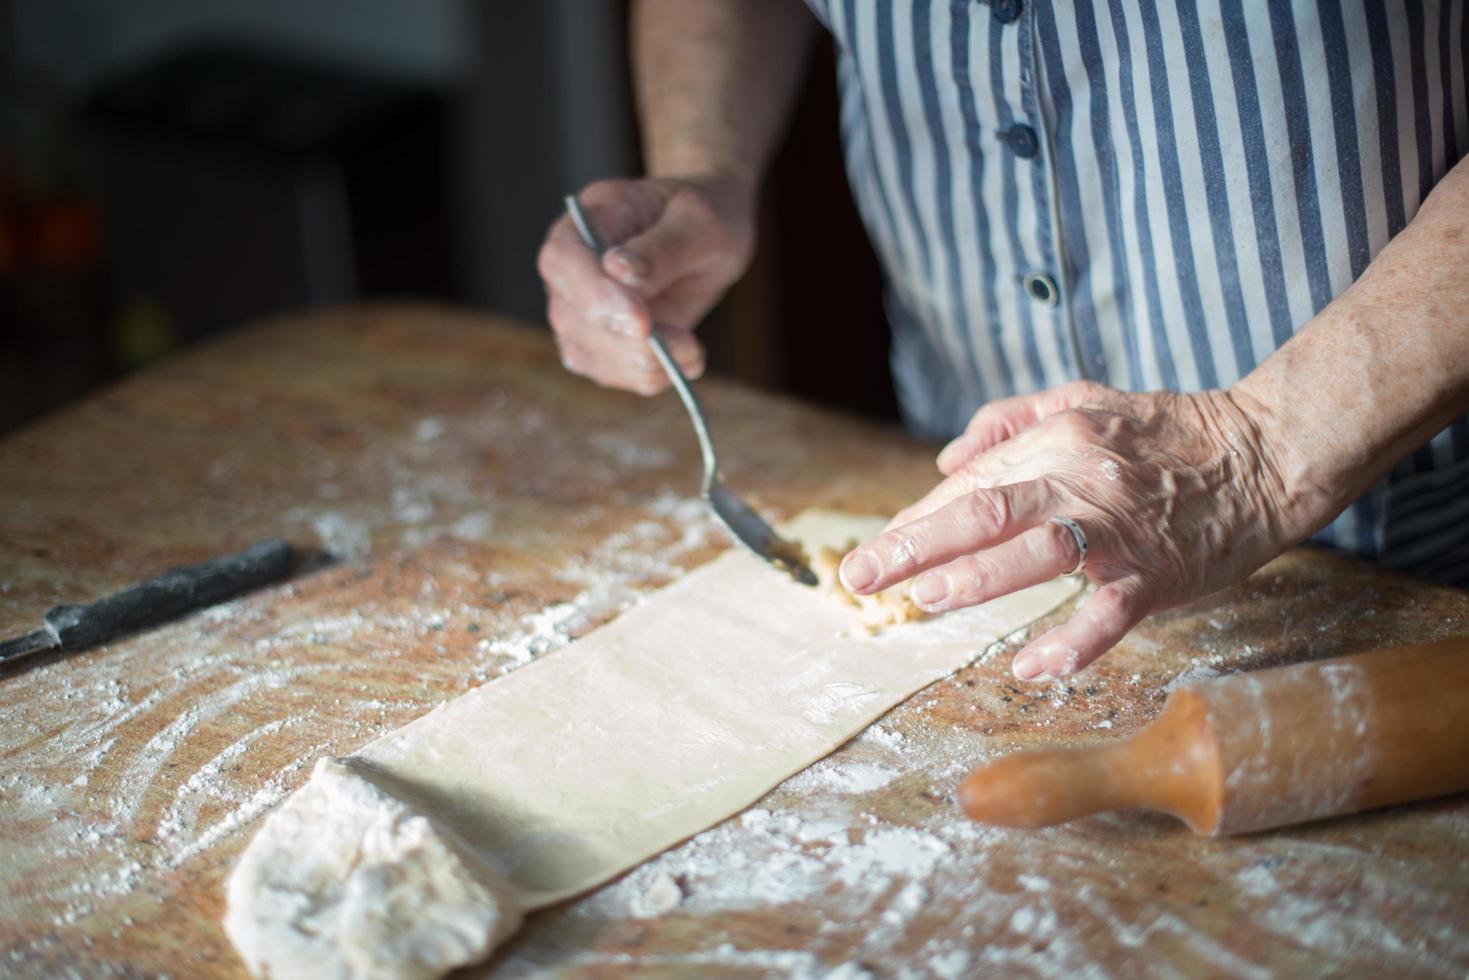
931,590
626,267
858,571
1028,665
624,325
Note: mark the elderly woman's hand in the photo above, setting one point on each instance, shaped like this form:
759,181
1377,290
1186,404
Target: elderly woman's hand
677,244
1176,496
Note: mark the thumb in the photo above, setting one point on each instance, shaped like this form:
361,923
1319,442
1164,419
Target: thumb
654,259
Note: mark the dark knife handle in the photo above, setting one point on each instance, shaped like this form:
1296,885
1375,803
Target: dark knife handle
171,594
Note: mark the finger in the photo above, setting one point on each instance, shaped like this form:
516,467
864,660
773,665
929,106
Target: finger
685,348
1024,457
946,491
641,370
1099,625
1030,558
968,524
620,361
573,357
610,360
631,365
668,250
637,370
637,356
991,425
569,321
1008,417
573,272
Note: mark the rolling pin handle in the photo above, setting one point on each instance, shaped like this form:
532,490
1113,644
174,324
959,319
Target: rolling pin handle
1171,765
1041,788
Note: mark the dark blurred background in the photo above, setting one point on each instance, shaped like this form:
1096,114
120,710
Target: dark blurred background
170,169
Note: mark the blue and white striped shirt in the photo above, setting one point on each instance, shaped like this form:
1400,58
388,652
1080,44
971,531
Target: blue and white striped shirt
1151,194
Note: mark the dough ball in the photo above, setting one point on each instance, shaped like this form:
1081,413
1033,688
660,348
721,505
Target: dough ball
662,896
345,880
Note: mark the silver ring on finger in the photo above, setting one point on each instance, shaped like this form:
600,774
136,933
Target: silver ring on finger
1079,537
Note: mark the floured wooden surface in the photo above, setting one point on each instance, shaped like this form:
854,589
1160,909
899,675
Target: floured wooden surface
678,714
487,507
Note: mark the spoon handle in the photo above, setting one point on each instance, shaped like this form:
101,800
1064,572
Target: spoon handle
660,351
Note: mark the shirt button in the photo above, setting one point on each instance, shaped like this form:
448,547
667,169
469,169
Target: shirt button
1007,11
1022,141
1042,288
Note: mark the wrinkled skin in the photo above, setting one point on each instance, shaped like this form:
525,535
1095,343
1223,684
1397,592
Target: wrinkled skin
1174,494
676,244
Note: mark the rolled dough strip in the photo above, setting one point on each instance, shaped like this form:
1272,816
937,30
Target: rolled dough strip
422,850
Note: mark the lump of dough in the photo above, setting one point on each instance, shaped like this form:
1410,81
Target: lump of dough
875,612
347,881
663,895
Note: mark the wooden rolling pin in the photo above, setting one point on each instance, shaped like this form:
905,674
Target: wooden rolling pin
1260,749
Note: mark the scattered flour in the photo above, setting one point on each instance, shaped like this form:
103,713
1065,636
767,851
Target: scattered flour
835,776
1194,674
342,537
619,571
140,786
632,455
429,429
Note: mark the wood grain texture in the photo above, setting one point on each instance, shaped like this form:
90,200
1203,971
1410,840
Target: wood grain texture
482,504
1260,749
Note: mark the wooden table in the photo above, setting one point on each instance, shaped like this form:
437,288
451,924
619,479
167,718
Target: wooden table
476,506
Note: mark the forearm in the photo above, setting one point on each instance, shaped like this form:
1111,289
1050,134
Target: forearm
1381,369
715,80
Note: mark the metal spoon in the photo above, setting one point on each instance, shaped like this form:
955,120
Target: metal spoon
738,517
